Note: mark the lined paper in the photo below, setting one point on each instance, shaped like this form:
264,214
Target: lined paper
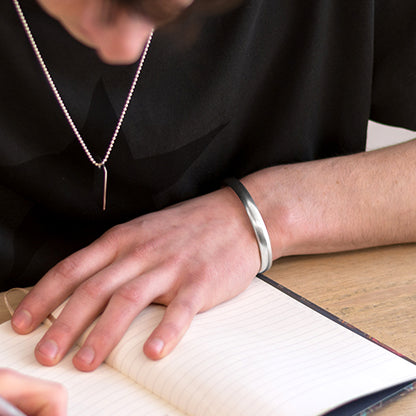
102,392
262,353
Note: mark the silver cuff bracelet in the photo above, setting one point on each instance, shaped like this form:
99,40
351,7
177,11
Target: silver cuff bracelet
260,230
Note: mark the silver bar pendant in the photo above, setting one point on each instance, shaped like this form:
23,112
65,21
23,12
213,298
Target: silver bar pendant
105,188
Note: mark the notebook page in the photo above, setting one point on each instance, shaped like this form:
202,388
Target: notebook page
102,392
261,353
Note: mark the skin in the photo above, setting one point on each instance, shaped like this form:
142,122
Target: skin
199,253
31,395
119,41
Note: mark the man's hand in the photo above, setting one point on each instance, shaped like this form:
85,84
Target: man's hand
31,395
197,254
189,257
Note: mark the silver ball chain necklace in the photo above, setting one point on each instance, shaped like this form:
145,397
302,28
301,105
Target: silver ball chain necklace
65,110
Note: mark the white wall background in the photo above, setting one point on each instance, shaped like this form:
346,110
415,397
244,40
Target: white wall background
379,135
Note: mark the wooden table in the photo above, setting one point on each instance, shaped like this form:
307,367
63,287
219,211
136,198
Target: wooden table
374,290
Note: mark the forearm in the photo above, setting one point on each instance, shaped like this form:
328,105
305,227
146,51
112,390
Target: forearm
337,204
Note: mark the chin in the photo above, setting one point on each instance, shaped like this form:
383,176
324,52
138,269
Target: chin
118,59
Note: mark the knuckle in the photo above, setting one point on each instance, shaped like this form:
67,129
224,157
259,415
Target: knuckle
188,306
143,250
66,269
130,235
114,235
91,289
179,260
130,294
208,274
208,278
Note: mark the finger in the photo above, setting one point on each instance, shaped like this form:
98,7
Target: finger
122,309
83,307
177,319
32,395
59,283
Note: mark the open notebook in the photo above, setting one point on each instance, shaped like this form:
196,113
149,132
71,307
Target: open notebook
264,352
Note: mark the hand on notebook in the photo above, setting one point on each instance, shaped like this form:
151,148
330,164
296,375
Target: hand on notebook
190,257
31,395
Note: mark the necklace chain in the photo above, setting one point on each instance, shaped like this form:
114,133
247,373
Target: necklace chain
62,104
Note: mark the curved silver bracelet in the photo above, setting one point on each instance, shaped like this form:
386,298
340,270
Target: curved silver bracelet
260,230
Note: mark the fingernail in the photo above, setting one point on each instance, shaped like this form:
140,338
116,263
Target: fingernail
86,355
156,344
49,349
22,320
